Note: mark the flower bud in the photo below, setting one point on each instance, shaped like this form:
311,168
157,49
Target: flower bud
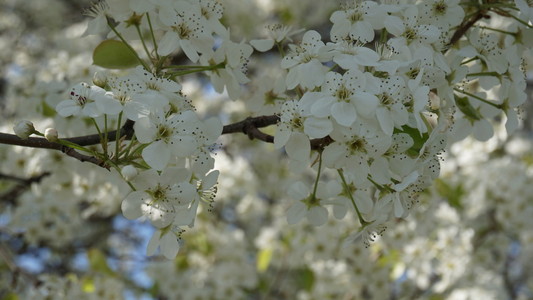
51,134
23,129
100,79
129,172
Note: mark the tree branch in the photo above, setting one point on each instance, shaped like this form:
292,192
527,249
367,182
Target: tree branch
21,185
84,158
249,126
467,24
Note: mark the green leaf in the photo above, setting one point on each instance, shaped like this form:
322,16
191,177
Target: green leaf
98,261
263,260
418,139
305,279
452,193
466,108
113,54
11,296
87,285
48,111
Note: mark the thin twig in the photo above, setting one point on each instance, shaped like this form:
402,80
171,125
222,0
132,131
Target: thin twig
467,24
21,185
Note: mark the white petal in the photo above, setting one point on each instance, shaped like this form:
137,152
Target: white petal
332,154
213,129
186,217
131,206
344,113
317,215
169,245
153,243
262,45
322,107
189,50
385,120
157,155
298,147
298,190
296,212
317,128
398,207
281,137
68,108
483,130
168,43
184,145
145,131
211,179
394,25
365,103
292,79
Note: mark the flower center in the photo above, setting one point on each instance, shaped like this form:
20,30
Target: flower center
357,145
440,8
297,122
385,99
163,132
343,94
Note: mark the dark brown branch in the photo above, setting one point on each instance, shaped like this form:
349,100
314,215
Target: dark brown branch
24,181
34,142
86,140
250,126
21,186
250,122
467,24
84,158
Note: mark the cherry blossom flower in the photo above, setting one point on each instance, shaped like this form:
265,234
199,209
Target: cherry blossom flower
158,90
296,126
234,57
186,31
352,149
98,24
167,136
344,97
391,111
356,22
82,101
306,206
350,55
203,191
305,61
157,196
121,98
409,33
442,13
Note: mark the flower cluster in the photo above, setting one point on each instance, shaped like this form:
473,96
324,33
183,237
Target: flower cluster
380,117
371,121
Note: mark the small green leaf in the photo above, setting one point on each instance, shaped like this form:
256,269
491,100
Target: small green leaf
87,285
452,193
112,54
263,259
48,111
98,261
418,139
11,296
305,279
466,108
